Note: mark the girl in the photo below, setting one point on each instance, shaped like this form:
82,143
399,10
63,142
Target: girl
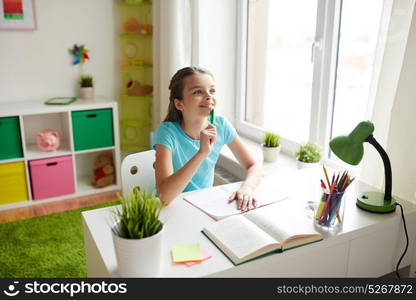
187,146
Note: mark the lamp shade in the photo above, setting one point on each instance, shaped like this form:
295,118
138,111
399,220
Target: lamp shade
349,148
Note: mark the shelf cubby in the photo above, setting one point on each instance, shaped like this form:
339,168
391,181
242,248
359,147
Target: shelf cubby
84,163
33,124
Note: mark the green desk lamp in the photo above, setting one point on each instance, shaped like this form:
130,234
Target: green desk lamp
350,149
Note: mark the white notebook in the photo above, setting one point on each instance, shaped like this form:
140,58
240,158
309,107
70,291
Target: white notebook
214,202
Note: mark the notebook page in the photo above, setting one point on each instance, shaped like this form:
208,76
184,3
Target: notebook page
214,201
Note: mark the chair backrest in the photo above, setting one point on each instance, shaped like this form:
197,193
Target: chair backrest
137,171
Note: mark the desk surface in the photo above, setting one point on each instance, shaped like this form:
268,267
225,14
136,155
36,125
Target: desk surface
184,223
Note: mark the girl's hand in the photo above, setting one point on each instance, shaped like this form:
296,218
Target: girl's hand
245,199
207,139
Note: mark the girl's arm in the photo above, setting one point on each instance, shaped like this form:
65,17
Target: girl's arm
244,195
170,184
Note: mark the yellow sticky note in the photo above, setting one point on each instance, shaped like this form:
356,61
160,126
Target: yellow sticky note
189,252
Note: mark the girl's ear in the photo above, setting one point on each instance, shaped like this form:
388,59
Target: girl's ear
178,104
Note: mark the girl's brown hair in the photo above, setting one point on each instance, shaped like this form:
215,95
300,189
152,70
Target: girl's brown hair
177,83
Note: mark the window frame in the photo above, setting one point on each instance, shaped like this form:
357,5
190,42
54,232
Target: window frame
323,54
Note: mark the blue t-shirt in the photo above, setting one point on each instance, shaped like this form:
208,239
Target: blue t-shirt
183,148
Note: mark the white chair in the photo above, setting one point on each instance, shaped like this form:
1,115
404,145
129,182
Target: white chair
137,171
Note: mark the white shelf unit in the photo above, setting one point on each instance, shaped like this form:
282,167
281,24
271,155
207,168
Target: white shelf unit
35,117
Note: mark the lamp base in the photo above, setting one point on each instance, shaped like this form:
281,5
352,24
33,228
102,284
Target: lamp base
374,202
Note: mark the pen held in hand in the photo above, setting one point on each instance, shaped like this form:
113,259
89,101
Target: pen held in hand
212,116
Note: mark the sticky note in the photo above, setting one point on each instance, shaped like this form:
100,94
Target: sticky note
189,252
205,256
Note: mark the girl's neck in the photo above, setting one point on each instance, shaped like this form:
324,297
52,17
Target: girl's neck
192,128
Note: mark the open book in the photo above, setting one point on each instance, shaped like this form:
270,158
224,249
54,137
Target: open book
214,202
273,228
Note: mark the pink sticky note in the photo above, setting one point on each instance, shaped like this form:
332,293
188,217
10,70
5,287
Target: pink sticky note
205,256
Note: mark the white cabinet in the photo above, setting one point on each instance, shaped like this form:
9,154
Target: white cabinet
86,128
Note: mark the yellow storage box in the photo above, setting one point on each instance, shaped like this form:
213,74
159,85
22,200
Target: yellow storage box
12,183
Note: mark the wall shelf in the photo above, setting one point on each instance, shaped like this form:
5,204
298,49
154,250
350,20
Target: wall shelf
136,74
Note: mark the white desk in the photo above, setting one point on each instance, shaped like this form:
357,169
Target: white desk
369,244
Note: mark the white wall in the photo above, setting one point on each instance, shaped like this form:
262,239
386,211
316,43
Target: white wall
36,65
402,134
217,49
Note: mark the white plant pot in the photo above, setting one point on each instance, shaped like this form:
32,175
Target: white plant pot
138,257
87,92
270,154
304,165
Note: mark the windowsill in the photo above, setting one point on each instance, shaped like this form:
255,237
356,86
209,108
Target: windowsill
284,161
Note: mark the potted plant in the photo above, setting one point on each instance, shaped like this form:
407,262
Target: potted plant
137,234
87,87
271,146
309,154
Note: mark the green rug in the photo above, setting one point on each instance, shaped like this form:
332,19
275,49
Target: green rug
46,246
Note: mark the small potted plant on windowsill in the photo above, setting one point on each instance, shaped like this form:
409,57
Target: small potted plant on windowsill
87,87
137,234
271,146
308,155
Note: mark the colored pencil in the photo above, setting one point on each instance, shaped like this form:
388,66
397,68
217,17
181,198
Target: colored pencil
326,176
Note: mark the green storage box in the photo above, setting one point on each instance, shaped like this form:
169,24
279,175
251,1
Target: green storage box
92,129
10,141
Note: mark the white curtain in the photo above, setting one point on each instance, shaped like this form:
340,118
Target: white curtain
385,90
172,48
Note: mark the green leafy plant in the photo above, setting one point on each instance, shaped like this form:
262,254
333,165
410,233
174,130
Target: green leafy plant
271,140
309,153
138,216
86,81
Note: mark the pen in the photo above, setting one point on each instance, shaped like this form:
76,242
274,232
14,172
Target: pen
212,116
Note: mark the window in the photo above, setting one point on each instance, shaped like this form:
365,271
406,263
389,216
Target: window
307,67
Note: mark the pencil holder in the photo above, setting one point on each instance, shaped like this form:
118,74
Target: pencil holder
330,212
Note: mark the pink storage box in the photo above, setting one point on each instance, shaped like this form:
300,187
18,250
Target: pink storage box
52,177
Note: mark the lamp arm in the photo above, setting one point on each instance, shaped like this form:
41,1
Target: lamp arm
387,166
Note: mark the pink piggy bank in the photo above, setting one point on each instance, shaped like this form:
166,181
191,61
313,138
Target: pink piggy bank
48,140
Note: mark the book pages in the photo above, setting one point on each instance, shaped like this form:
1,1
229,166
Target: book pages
239,237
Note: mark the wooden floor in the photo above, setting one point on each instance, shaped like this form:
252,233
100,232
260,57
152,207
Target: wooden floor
56,206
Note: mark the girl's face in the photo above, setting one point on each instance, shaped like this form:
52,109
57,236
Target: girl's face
198,96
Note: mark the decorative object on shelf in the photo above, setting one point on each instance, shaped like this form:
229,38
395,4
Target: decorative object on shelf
141,62
60,100
134,88
87,87
308,155
80,54
17,15
48,140
132,26
103,170
137,234
350,149
132,1
271,146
